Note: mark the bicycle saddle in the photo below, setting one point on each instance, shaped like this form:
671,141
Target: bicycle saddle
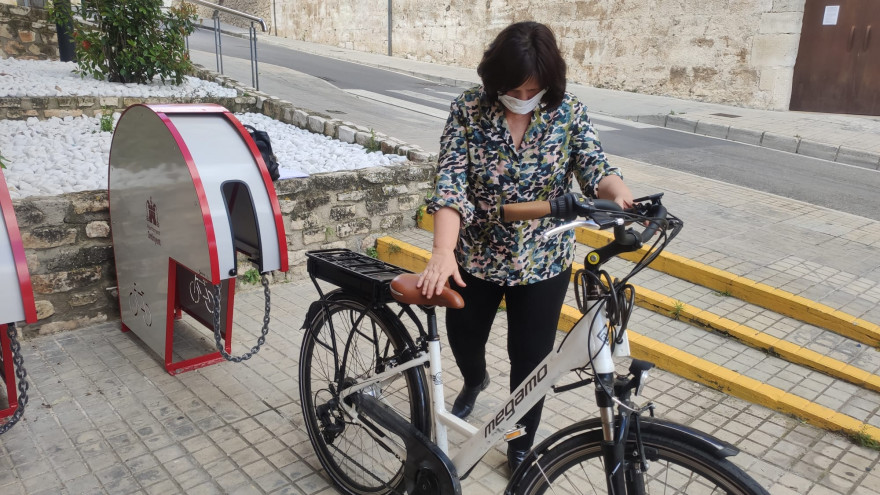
403,289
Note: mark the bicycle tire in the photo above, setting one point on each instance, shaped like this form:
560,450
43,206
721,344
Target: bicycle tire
575,466
133,306
194,291
350,455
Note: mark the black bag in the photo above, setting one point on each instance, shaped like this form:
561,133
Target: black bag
264,144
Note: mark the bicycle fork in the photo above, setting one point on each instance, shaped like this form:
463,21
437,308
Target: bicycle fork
622,475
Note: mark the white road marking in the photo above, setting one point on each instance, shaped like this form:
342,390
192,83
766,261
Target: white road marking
415,107
413,94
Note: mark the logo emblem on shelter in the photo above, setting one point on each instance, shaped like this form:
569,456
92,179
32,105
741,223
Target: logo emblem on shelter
152,216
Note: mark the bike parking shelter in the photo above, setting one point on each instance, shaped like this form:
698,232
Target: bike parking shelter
16,303
188,189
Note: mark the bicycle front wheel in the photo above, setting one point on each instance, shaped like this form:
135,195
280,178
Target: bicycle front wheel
576,466
347,343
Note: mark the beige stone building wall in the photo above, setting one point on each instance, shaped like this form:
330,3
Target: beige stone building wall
258,8
739,52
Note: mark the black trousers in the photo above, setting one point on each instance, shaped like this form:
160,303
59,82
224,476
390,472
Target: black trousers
532,318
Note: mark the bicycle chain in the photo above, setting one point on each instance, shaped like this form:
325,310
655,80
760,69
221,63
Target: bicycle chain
21,375
260,341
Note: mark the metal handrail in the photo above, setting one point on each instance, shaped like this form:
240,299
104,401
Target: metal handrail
252,37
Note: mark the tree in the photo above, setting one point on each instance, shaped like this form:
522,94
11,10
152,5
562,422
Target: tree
130,41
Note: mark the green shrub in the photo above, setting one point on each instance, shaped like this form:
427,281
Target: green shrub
2,165
106,122
373,144
251,276
130,41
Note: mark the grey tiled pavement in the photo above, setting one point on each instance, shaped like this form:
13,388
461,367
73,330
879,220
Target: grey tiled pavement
104,417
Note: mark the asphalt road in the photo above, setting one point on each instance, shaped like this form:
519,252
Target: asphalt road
414,109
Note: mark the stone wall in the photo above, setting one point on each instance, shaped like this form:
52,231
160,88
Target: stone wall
75,106
738,52
27,34
264,9
70,254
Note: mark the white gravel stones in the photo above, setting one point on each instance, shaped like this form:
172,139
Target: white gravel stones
56,156
19,78
302,152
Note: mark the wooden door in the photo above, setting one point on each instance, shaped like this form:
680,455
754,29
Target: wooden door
838,64
865,99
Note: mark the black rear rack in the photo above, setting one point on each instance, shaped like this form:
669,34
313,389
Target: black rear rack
355,272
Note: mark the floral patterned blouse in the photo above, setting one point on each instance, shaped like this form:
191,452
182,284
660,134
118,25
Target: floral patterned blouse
479,170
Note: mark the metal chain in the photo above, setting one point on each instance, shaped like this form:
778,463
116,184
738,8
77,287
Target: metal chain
262,340
21,374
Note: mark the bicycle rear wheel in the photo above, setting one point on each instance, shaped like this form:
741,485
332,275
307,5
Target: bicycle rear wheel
345,343
576,466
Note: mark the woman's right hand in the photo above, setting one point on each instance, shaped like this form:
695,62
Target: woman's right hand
440,267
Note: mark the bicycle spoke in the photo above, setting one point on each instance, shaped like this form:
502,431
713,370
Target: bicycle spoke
576,466
384,484
346,345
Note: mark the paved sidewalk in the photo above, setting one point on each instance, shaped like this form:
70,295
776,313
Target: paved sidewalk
104,417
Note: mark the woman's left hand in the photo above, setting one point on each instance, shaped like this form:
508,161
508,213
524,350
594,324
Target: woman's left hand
612,187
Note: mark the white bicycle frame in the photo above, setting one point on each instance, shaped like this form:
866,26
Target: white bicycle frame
589,333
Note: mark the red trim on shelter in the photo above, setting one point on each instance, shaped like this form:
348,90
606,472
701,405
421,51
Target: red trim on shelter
197,362
8,372
21,268
270,189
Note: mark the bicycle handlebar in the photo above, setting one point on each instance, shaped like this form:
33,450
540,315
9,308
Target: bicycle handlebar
656,212
605,213
529,210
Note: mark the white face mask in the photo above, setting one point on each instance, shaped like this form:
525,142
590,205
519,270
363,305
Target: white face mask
521,107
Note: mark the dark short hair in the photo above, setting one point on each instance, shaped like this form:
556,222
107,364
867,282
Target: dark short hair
520,51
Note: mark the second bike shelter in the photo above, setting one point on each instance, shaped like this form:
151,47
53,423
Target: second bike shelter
16,304
188,189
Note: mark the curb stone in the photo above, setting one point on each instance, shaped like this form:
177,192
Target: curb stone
712,129
858,158
817,150
766,139
780,142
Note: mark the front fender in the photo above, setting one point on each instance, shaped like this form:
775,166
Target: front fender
694,438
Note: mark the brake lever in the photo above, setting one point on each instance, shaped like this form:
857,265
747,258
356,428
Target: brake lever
569,226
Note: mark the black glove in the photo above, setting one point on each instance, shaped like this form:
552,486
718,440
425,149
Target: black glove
564,206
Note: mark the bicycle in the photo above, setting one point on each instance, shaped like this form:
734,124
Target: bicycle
198,289
138,306
379,426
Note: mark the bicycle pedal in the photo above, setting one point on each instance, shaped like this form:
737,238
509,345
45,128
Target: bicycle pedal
514,433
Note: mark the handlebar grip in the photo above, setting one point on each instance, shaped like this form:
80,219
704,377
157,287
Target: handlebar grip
528,210
656,212
607,205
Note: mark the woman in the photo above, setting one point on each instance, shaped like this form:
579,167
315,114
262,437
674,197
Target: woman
518,137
